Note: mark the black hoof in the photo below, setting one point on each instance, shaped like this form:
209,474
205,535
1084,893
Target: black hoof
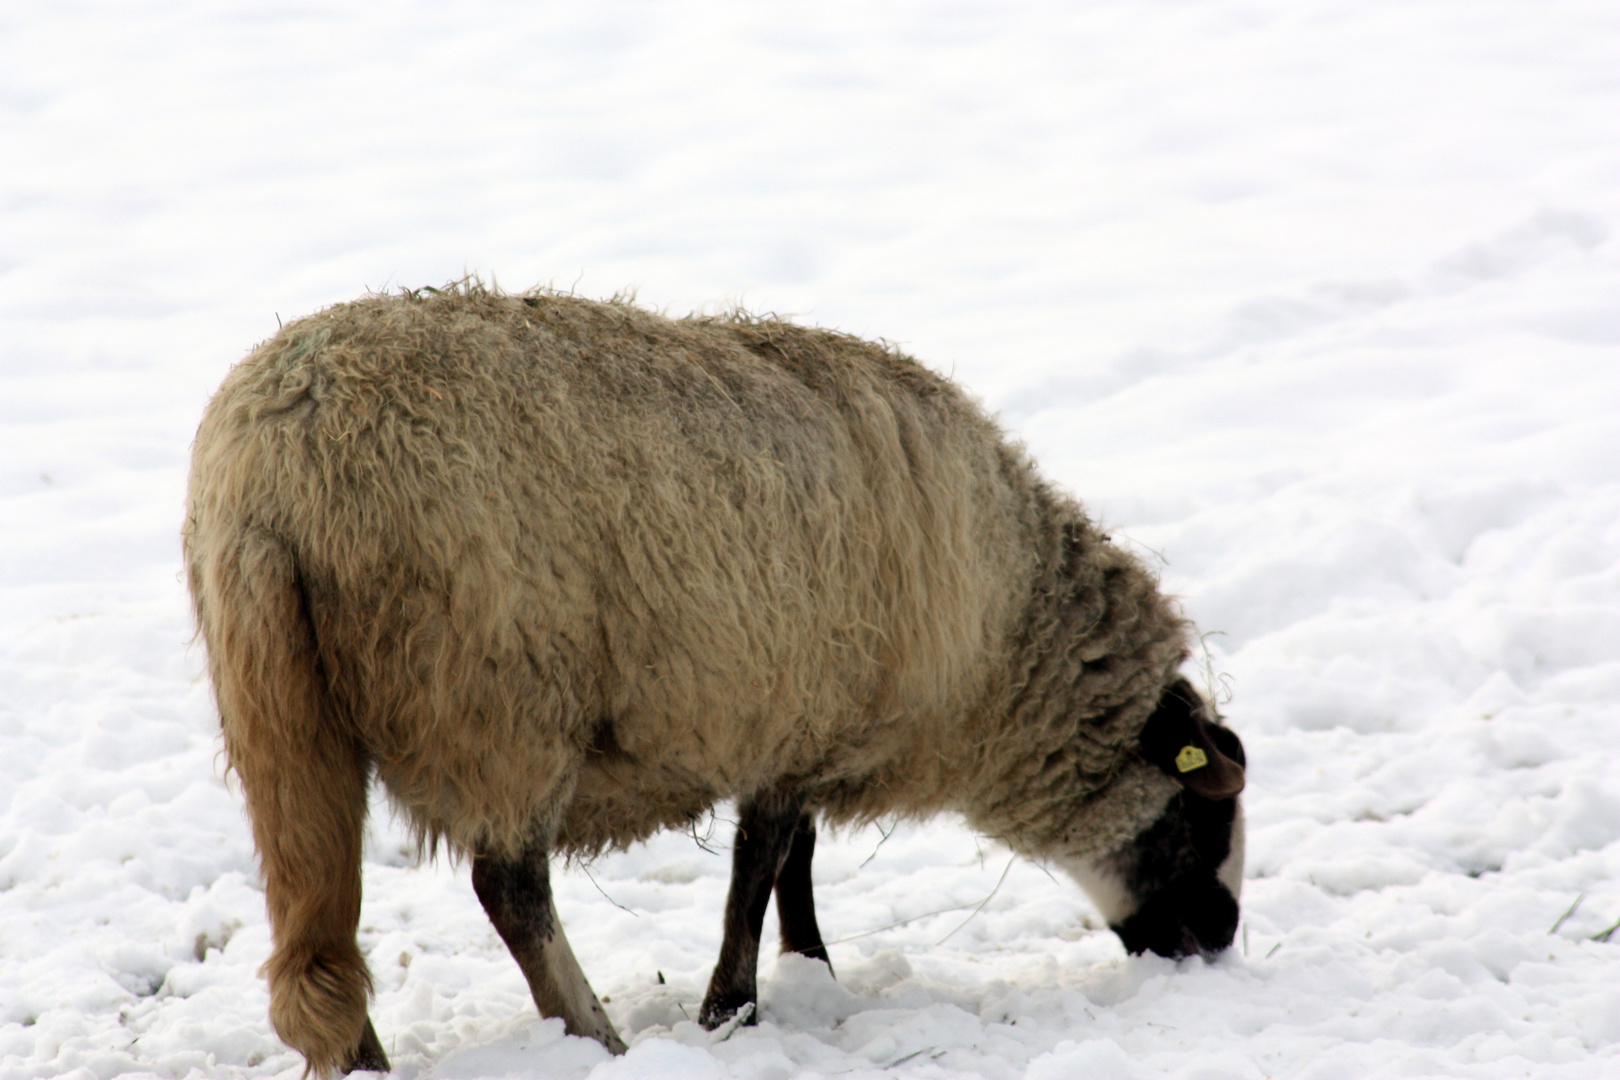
368,1056
716,1012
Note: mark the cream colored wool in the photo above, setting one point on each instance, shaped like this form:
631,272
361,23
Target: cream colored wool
548,564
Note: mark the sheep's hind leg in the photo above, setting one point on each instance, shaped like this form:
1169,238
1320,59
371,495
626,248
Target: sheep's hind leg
304,777
795,896
765,834
516,894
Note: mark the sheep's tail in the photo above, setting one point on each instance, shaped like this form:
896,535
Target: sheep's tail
304,776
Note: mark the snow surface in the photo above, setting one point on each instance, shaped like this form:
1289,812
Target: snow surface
1316,302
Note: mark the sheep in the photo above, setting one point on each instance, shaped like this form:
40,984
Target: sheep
560,574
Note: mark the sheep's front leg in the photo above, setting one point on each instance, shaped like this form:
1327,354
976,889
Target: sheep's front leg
516,894
795,897
766,828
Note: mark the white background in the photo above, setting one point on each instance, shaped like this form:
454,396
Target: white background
1317,304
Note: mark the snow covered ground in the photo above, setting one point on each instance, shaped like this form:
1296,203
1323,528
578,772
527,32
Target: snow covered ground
1318,302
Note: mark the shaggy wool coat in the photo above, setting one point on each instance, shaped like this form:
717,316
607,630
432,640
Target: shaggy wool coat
575,566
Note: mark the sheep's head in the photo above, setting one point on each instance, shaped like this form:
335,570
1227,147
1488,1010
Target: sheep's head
1173,889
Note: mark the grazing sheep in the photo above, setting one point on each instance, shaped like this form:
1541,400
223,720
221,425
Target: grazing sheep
561,574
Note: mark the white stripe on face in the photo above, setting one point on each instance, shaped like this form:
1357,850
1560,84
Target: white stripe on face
1230,873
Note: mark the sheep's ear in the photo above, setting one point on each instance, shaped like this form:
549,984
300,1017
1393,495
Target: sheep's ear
1178,739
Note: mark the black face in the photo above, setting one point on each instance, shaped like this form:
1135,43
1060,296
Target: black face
1174,871
1173,889
1183,871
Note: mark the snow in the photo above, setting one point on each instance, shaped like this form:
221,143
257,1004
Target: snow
1315,304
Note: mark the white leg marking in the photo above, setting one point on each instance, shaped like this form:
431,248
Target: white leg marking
581,1011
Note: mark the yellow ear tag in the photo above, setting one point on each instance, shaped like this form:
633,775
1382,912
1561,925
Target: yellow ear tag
1191,758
